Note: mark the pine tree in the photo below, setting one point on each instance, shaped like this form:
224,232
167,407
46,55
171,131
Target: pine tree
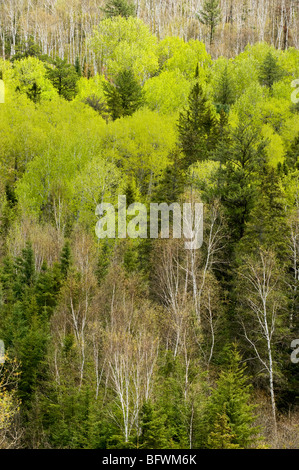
225,91
47,288
65,259
78,67
266,227
63,77
98,105
270,72
104,260
172,183
221,437
124,96
197,127
123,8
34,93
241,154
230,415
25,268
26,49
210,16
154,434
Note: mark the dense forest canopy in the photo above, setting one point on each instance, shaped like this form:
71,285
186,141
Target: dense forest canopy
140,343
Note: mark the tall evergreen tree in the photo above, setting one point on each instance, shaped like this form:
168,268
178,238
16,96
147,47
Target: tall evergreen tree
225,91
78,67
124,96
230,415
270,72
266,227
25,270
63,77
197,127
65,259
210,16
241,153
123,8
154,434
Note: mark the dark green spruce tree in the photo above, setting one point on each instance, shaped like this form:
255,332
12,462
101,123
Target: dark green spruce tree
154,434
63,77
124,96
197,127
225,94
270,71
266,227
123,8
230,415
241,152
210,15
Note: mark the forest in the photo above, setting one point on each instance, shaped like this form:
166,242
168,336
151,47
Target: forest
138,342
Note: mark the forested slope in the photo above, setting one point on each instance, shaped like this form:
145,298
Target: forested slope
140,343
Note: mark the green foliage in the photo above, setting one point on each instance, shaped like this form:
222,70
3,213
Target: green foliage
240,152
292,157
125,43
29,76
210,16
124,96
154,434
26,49
225,94
197,127
230,415
168,92
270,72
65,259
119,343
64,78
119,8
267,228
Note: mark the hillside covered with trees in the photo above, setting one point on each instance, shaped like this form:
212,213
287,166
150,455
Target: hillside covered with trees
140,343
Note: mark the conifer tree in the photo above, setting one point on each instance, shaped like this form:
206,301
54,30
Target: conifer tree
210,16
241,153
25,268
266,227
154,434
221,437
63,77
230,414
225,92
78,67
172,183
270,72
65,259
197,127
34,92
47,289
124,96
123,8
